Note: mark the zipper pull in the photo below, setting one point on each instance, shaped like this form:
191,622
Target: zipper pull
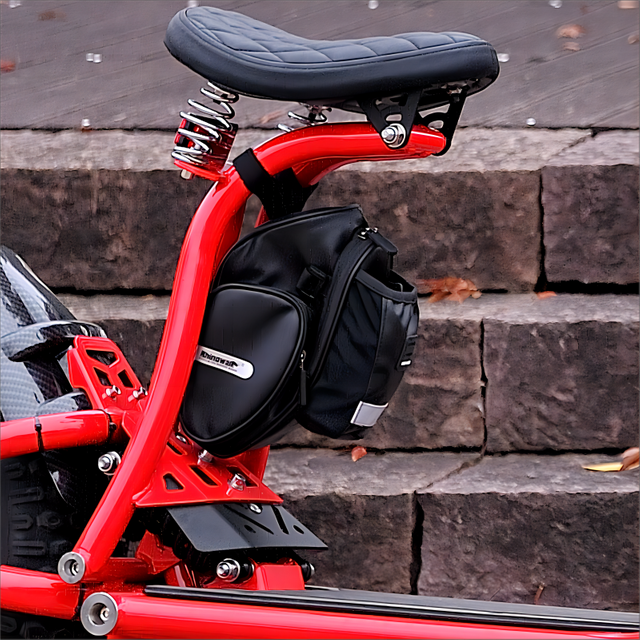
303,380
379,240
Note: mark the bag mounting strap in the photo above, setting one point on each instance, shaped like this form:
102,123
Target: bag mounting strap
281,194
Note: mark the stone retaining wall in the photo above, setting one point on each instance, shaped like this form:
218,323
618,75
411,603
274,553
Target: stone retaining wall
471,487
511,372
505,208
487,528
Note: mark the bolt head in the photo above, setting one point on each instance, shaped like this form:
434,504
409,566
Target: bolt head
228,570
205,456
394,135
238,482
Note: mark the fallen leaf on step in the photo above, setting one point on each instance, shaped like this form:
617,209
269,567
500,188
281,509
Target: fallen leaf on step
571,46
604,466
454,289
6,66
268,118
543,295
357,453
571,31
51,15
631,459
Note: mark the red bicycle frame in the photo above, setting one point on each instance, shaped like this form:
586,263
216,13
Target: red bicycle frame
156,451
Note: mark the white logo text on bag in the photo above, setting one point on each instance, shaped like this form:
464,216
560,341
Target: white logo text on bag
224,362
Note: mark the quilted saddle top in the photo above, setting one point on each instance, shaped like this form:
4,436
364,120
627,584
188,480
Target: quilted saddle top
252,58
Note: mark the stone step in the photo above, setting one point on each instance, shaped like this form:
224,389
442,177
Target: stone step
509,372
514,528
505,208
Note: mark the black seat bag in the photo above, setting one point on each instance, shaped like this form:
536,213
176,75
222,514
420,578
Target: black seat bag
306,320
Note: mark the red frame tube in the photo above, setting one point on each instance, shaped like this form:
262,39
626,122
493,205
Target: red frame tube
59,431
138,613
44,594
313,151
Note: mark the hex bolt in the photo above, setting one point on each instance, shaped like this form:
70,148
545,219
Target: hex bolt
205,456
108,463
238,482
71,567
228,570
139,393
99,614
394,135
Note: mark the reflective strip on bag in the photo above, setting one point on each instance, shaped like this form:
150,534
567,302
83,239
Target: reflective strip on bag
366,415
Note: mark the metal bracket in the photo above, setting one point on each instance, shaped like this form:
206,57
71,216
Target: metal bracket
395,134
449,118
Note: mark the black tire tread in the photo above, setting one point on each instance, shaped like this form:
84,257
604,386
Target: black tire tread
38,527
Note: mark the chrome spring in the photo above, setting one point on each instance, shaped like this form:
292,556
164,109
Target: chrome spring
212,123
315,115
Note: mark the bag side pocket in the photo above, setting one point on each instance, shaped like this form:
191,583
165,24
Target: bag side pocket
370,351
244,383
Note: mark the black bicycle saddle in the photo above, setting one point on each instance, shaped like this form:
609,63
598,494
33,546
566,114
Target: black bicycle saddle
246,56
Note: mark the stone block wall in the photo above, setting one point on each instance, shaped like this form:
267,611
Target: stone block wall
473,485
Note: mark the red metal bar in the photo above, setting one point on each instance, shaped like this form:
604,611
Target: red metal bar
37,593
214,228
59,431
335,145
138,615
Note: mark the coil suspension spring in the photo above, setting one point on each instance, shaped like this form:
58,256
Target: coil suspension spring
205,136
315,115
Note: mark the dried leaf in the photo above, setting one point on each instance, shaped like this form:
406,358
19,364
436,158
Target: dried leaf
571,46
627,4
570,31
631,459
51,15
603,466
268,118
633,38
450,288
543,295
541,587
357,453
6,66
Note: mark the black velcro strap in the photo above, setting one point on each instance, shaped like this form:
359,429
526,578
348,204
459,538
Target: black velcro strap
251,171
280,194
